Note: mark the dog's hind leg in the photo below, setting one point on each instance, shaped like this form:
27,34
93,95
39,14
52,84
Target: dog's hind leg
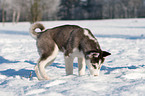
38,73
47,61
81,66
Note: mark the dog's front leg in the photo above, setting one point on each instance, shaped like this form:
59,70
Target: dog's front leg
81,66
69,65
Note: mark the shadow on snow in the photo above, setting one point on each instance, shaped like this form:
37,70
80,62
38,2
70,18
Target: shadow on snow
121,36
14,32
30,62
12,72
26,73
3,60
57,65
22,73
110,69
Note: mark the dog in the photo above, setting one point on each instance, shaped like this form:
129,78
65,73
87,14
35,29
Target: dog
73,41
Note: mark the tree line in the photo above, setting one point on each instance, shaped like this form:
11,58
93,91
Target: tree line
44,10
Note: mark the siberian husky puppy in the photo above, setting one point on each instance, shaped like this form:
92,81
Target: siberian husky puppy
73,41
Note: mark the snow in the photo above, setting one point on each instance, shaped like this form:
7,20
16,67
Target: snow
122,74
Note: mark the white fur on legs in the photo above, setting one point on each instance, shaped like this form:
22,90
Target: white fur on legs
38,74
81,66
69,65
44,63
93,71
42,66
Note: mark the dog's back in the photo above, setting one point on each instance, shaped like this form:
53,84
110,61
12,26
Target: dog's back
68,37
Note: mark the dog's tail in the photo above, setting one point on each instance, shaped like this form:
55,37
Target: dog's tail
36,29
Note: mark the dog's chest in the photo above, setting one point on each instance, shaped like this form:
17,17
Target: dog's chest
77,53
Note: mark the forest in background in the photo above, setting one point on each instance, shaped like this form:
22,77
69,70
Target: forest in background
44,10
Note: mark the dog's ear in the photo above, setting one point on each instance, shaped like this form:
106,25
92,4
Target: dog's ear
105,54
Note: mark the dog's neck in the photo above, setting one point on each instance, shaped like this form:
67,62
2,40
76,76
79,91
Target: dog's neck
89,43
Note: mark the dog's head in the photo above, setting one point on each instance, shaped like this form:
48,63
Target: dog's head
95,60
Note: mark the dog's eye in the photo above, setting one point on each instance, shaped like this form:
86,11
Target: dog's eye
96,55
94,60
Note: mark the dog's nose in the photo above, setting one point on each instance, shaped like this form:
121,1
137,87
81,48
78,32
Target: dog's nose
95,75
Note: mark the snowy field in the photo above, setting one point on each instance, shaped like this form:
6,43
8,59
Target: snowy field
122,74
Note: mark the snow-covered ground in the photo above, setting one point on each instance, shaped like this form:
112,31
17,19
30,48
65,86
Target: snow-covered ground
123,73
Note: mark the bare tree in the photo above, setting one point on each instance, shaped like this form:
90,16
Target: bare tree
35,11
134,4
43,9
3,4
50,9
17,6
121,8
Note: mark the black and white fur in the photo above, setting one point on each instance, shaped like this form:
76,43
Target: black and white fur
74,41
